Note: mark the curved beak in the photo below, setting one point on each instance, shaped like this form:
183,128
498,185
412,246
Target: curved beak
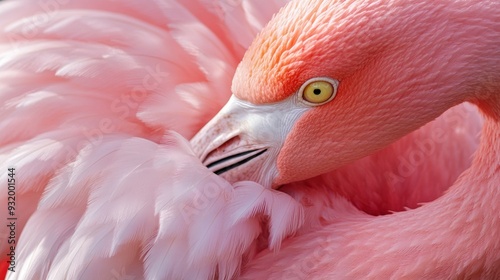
243,140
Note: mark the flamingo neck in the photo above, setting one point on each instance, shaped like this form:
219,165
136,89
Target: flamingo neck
455,235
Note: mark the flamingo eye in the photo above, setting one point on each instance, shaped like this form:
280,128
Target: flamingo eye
318,91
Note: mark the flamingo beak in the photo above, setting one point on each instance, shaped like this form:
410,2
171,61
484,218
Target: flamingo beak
243,140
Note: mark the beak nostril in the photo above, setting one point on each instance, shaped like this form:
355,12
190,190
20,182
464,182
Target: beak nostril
230,154
230,157
221,148
241,162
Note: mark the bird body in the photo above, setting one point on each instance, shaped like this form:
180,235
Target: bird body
379,55
91,92
424,242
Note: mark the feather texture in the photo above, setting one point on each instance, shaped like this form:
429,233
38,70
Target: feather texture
91,93
90,86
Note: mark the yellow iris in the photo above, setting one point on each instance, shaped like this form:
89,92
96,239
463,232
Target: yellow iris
318,92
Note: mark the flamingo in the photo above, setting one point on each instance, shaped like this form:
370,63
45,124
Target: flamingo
336,156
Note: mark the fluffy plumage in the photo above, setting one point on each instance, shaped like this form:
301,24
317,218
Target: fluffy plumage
89,91
90,86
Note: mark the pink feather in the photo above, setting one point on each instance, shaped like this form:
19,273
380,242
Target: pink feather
91,92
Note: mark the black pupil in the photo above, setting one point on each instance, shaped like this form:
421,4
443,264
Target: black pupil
317,91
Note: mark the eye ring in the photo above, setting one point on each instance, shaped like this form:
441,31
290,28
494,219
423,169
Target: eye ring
318,91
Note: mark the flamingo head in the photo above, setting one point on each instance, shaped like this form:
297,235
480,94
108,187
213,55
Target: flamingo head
328,82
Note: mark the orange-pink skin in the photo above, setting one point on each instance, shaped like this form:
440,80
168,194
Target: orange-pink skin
454,236
400,65
386,55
